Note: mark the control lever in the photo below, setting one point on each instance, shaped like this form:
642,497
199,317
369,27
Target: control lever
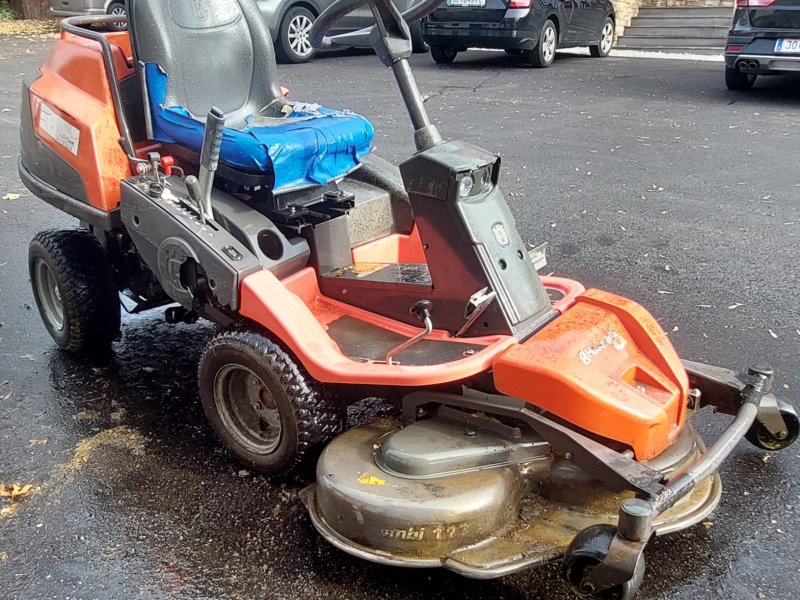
422,310
209,157
154,158
478,302
196,194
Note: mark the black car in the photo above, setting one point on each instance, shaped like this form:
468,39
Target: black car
533,29
764,40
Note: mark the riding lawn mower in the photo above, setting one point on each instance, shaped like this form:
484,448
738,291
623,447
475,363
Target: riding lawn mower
538,420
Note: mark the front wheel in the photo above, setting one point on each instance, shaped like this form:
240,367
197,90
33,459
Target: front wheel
294,42
738,81
262,405
602,49
543,55
443,55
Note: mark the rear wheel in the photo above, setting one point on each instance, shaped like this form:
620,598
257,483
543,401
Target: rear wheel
72,285
294,41
263,407
443,55
543,55
738,81
603,49
118,10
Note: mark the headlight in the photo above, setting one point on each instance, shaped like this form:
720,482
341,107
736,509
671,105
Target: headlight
466,185
486,180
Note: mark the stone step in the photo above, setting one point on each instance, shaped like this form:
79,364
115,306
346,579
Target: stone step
691,32
686,12
633,41
684,50
682,21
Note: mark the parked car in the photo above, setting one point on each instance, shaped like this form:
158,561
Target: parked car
533,29
764,40
71,8
289,21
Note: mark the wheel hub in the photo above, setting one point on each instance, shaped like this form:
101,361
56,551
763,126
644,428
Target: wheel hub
247,408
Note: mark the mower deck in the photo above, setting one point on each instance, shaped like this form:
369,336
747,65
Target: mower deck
482,522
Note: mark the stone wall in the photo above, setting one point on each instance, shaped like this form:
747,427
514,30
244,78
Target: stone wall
624,10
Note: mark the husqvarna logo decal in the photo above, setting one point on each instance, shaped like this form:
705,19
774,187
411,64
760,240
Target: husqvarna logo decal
200,8
612,338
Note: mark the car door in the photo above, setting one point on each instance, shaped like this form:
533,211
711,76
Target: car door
76,6
581,23
362,17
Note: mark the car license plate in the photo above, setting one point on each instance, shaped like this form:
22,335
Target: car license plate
787,46
466,2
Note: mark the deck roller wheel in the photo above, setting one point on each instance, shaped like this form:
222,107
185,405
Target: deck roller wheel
585,553
263,407
763,438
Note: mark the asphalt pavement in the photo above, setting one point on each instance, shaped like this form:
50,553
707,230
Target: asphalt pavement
647,178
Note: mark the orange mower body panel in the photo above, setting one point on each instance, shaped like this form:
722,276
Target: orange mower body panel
606,366
73,113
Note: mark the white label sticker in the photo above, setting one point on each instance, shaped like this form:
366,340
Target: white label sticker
57,128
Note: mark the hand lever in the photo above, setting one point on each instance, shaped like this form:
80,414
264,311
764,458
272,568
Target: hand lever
422,310
209,156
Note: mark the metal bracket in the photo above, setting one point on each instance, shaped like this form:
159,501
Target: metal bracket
614,470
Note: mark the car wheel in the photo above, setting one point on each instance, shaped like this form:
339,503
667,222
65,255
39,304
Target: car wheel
118,9
545,52
294,41
443,54
738,81
418,45
603,49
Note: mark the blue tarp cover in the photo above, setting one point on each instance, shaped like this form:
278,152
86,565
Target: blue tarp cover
311,145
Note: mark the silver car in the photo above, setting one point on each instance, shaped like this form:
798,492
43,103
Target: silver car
289,21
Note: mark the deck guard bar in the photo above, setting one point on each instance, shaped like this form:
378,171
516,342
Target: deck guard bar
606,366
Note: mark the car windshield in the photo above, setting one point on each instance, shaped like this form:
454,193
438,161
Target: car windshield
782,14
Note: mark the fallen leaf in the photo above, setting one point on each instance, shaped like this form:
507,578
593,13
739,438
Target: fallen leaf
674,329
84,415
28,357
7,395
15,491
10,196
797,330
765,458
735,305
39,442
3,556
773,334
704,306
708,524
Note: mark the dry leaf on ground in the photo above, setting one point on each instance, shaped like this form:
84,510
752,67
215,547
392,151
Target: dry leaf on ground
15,491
